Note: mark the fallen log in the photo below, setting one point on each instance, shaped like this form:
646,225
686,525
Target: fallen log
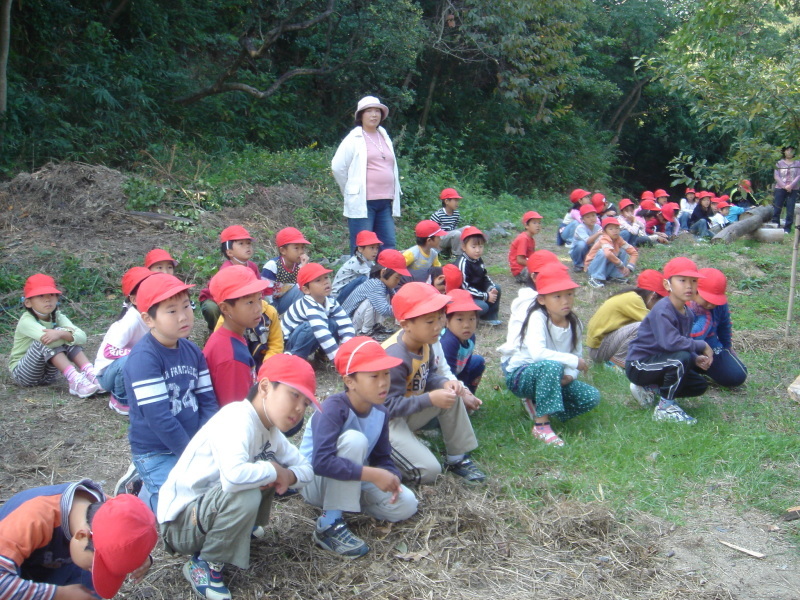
749,221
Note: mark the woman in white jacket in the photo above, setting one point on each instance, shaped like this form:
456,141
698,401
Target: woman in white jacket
365,168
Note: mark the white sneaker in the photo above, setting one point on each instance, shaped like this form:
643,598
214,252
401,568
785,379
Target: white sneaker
646,397
82,387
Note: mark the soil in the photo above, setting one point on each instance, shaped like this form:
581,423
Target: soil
573,551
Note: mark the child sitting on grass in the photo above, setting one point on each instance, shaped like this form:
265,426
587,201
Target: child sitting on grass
611,257
663,360
282,270
476,279
347,443
448,218
160,261
542,358
425,253
458,345
524,245
632,227
356,270
47,343
572,219
585,236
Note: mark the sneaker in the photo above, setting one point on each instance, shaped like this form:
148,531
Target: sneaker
596,283
672,412
577,269
118,407
467,470
206,579
258,532
623,280
494,322
530,407
612,366
82,387
645,396
340,540
130,483
93,379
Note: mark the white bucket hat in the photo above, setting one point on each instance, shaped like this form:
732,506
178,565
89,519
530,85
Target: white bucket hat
372,102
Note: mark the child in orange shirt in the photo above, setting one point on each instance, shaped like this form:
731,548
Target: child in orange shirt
611,257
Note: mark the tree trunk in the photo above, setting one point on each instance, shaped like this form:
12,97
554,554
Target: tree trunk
5,41
423,122
748,222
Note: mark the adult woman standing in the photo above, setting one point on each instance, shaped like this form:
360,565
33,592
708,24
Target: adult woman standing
787,182
365,168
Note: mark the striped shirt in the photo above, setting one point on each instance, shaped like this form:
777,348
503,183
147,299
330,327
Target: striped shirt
373,290
445,221
306,309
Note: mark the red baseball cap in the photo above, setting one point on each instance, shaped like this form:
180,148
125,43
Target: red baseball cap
364,238
39,285
712,286
363,354
540,258
647,195
234,282
471,230
690,191
415,299
653,281
723,198
587,208
668,212
428,228
625,203
293,371
578,194
681,267
598,201
448,193
649,205
157,288
747,186
660,193
309,272
394,260
609,221
453,279
289,235
722,204
123,534
234,232
134,277
531,214
553,278
462,302
158,255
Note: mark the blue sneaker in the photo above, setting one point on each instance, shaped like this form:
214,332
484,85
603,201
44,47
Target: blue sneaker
340,540
206,579
672,412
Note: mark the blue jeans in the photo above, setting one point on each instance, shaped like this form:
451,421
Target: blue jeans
578,252
489,311
153,468
112,380
567,232
302,342
635,240
683,219
349,288
472,372
700,228
601,268
283,303
783,197
670,228
378,220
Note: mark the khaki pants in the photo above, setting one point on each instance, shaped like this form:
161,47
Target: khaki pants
365,318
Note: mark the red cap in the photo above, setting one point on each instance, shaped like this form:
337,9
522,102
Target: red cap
625,203
364,238
609,221
705,195
577,195
234,282
681,267
540,258
309,272
722,204
293,371
394,260
453,279
415,299
157,288
428,228
652,280
598,201
723,198
363,354
668,212
123,533
462,302
649,205
660,193
690,191
647,195
158,255
132,278
531,214
712,286
747,186
470,230
289,235
587,208
234,232
448,193
553,278
39,285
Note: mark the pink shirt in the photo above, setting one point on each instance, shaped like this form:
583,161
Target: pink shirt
380,168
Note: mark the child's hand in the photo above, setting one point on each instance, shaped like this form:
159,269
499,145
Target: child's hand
455,385
303,259
625,271
443,398
384,480
73,592
139,574
284,480
702,362
492,296
471,402
53,335
566,380
583,366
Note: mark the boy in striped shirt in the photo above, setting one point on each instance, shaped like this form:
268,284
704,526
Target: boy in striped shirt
448,219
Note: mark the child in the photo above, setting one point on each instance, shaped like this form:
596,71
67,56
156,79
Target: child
282,270
476,280
436,277
700,221
448,218
662,197
542,359
616,322
69,541
119,340
347,442
656,224
160,261
664,358
585,236
46,342
719,220
632,228
458,344
524,245
453,279
688,204
424,254
167,383
315,321
236,246
220,493
787,182
237,292
369,304
672,227
356,270
611,257
712,323
418,392
572,219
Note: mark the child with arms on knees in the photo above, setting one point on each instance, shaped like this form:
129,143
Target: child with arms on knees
220,493
476,279
585,236
663,360
458,345
347,443
448,218
572,219
611,257
282,270
357,268
524,245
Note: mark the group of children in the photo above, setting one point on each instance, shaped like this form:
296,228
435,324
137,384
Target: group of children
208,429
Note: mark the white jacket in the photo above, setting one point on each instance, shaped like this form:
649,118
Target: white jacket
349,166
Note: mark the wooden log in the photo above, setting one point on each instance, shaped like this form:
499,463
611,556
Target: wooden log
748,222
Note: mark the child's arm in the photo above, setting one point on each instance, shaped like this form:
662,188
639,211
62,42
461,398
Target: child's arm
377,297
345,275
269,274
409,256
344,325
536,341
470,283
722,316
397,403
275,339
326,430
207,404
